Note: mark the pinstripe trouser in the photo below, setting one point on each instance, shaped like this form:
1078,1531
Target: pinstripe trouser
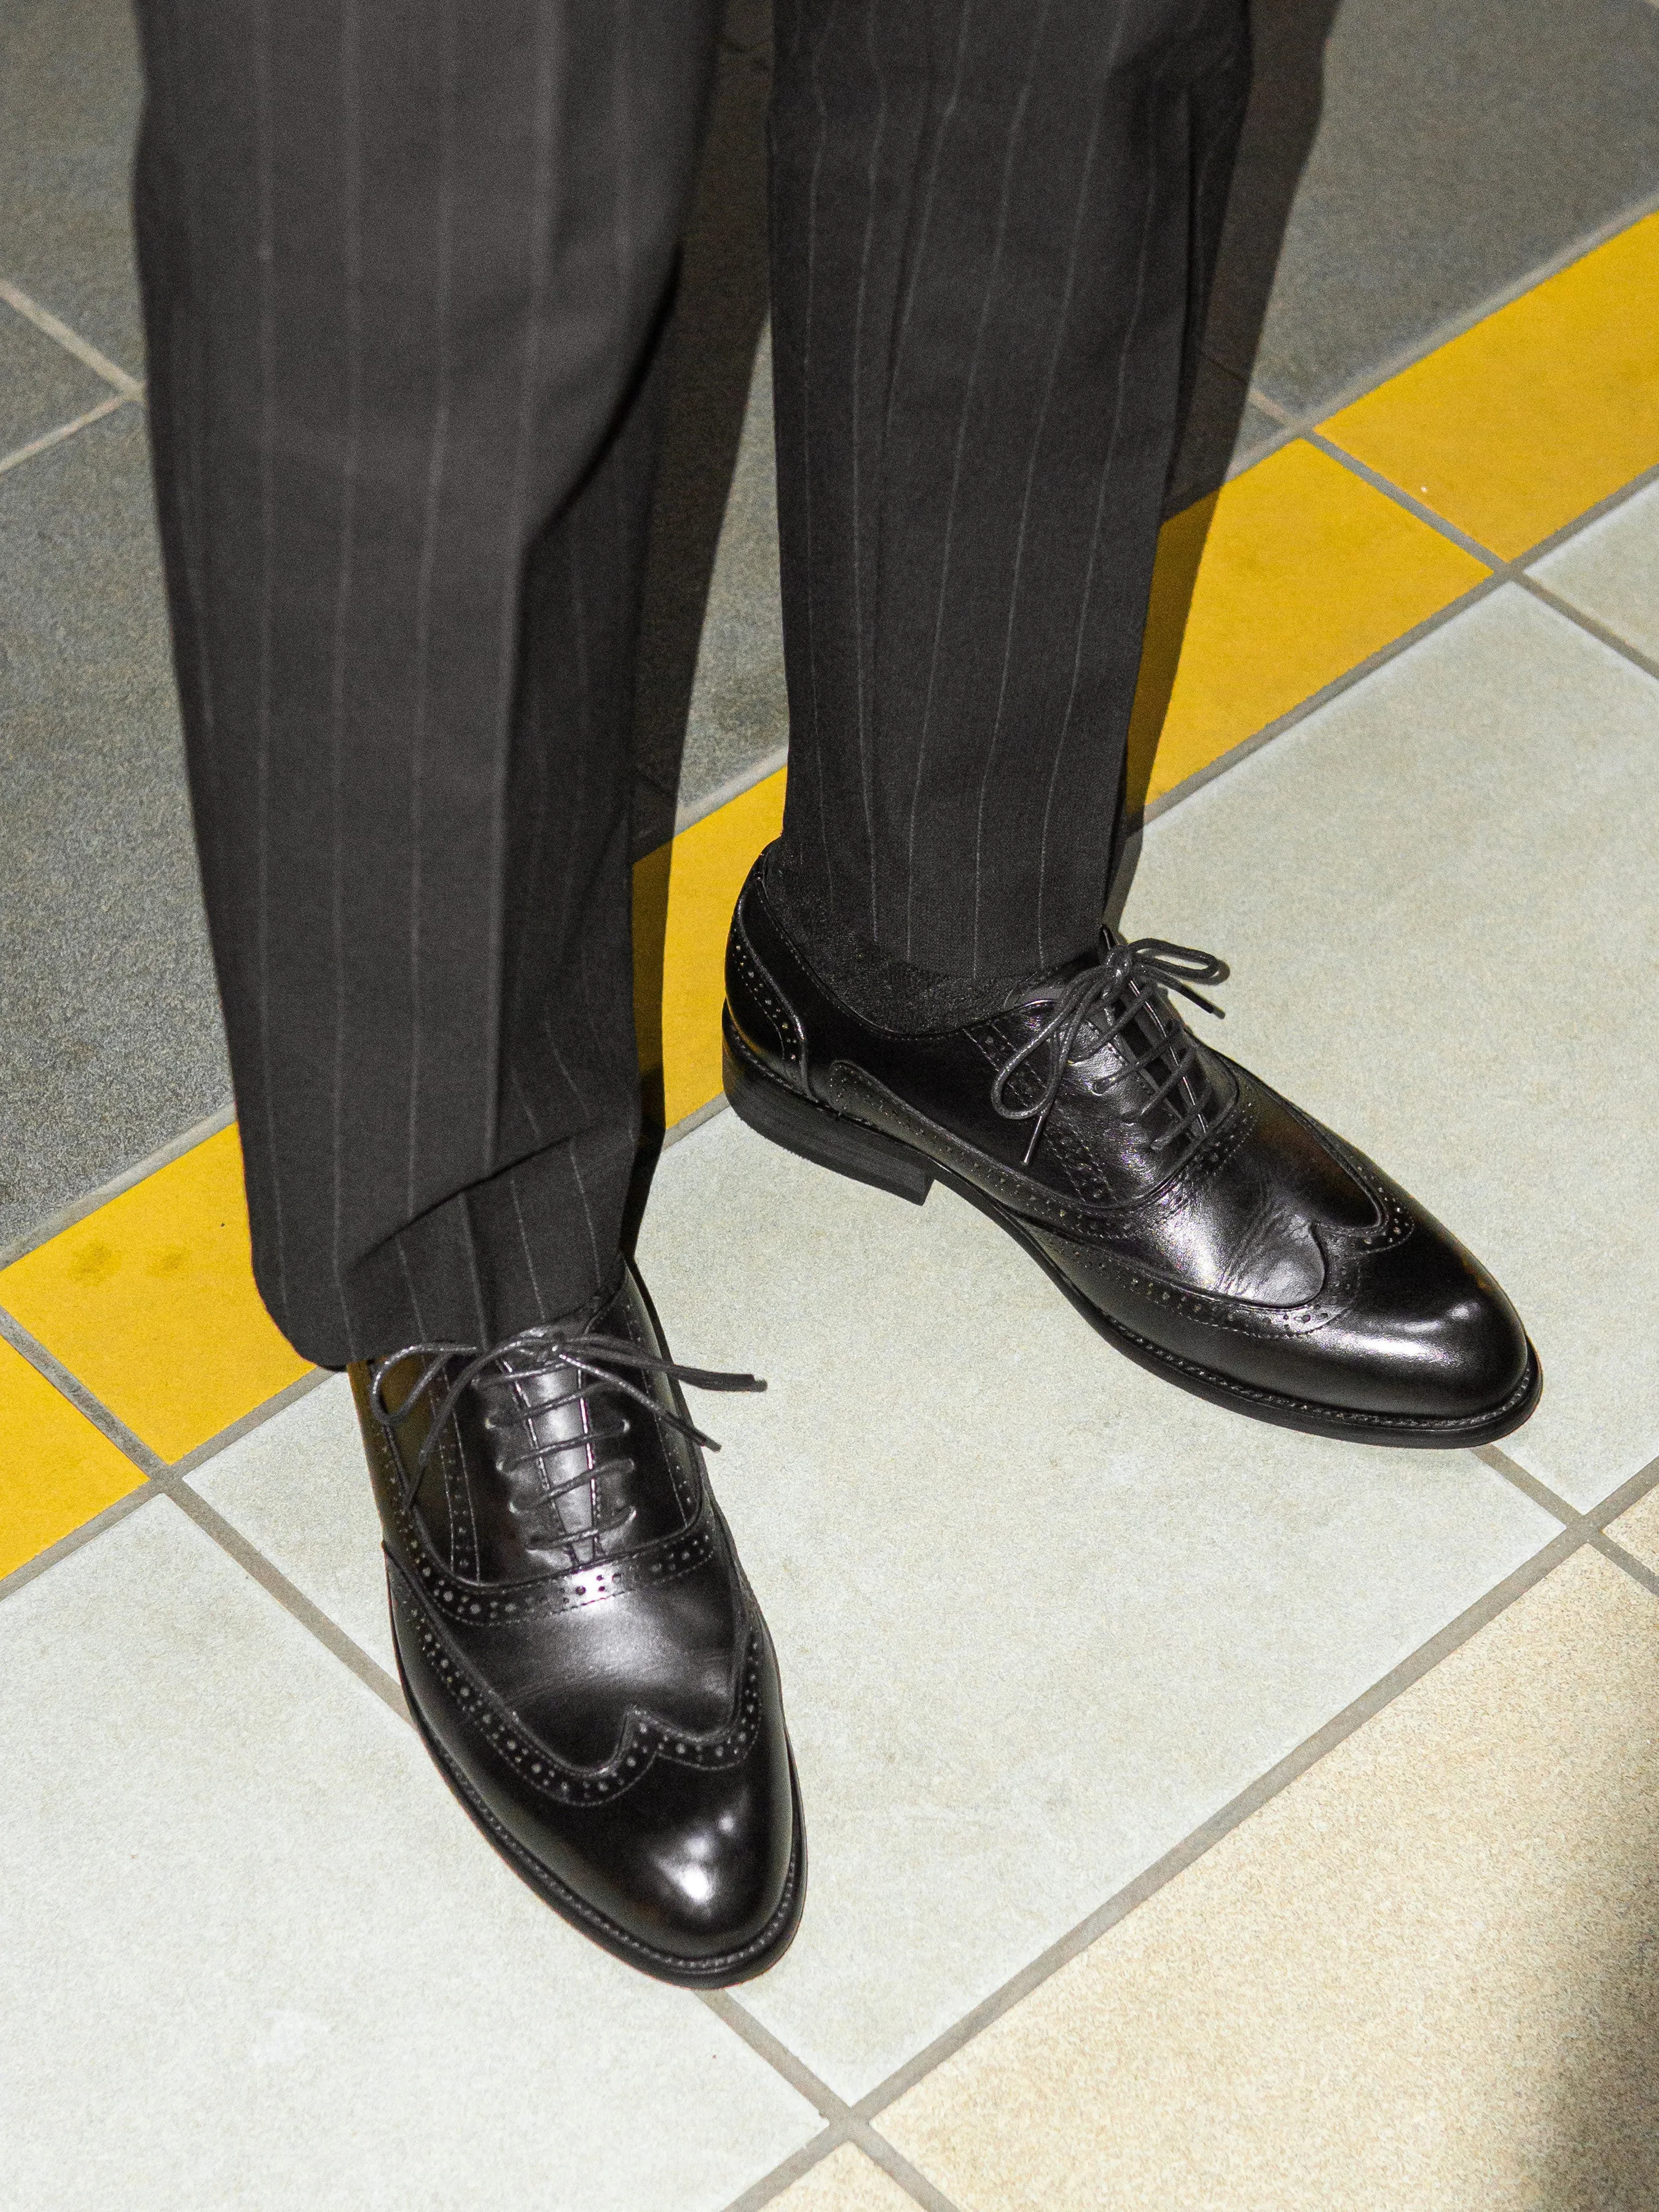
406,267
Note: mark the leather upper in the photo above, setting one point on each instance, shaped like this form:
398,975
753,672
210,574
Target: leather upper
578,1636
1217,1224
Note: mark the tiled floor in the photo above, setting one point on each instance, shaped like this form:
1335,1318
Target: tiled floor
1219,1820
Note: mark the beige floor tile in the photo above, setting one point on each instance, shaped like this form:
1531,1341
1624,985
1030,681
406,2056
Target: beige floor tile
1038,1614
1611,570
1638,1530
297,1488
1422,1979
1439,899
256,1956
847,2181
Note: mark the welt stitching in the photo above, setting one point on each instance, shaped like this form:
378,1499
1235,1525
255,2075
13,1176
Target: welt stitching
1396,1422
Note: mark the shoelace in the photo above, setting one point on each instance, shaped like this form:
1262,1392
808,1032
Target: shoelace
594,1356
1137,972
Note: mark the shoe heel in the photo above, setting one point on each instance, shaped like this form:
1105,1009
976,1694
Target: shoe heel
816,1133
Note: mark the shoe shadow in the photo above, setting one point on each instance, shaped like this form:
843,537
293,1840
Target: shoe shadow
1280,128
720,314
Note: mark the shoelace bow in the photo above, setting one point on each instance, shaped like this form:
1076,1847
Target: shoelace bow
595,1358
1137,972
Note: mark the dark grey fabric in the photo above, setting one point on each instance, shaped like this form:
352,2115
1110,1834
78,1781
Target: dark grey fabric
993,228
407,266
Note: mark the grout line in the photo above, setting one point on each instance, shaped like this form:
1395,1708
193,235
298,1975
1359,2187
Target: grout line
746,779
1274,409
1503,572
68,1385
1597,1517
1367,379
847,2125
71,341
743,779
778,2055
1242,465
1598,1520
1629,1493
1266,1787
292,1600
1580,1531
688,1122
1611,1548
1401,497
863,2137
48,439
898,2168
1570,1517
76,1209
1607,504
1510,568
38,1565
1311,704
1597,629
161,1479
770,2187
290,1395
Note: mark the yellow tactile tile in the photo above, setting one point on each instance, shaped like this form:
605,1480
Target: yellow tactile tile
1305,571
56,1471
846,2181
683,895
150,1303
1538,412
1424,1977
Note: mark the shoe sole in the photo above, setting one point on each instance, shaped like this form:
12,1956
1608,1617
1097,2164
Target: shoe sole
721,1972
851,1148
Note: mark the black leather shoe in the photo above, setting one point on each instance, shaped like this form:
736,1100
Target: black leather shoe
1204,1226
578,1643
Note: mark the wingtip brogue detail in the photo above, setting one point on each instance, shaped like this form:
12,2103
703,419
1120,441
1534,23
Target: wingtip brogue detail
579,1646
1209,1228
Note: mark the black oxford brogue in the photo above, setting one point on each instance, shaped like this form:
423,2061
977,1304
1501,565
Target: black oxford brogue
578,1643
1205,1226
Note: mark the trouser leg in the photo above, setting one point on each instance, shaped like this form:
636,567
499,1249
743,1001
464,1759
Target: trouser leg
993,232
406,265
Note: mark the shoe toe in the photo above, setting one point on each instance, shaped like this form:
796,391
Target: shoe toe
694,1868
1431,1336
706,1862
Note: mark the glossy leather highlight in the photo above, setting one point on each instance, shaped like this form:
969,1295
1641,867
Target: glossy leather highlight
1212,1231
580,1649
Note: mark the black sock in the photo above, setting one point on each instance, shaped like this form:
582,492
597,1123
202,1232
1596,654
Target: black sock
880,987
